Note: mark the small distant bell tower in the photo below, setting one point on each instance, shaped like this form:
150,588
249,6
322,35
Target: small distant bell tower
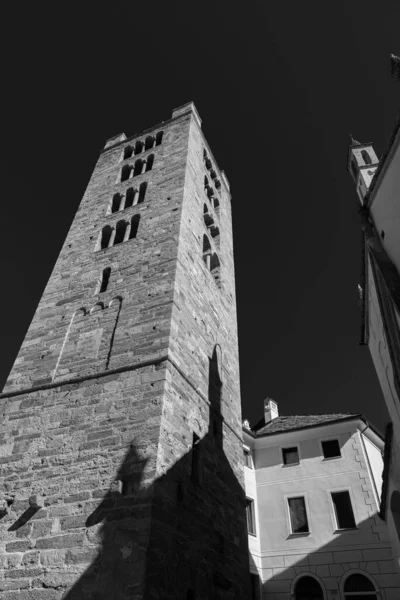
362,163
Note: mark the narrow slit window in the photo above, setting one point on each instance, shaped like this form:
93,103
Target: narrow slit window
290,456
130,194
149,143
298,515
251,522
125,173
105,236
215,268
195,472
142,192
128,152
120,232
343,510
366,157
331,449
138,167
149,162
105,278
116,202
138,147
134,226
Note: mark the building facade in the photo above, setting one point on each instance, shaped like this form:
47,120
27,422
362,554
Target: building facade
121,469
313,498
378,188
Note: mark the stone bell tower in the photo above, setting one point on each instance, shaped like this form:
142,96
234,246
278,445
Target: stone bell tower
121,443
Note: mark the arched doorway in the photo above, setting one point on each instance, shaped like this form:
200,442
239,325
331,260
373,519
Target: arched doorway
359,587
308,588
395,510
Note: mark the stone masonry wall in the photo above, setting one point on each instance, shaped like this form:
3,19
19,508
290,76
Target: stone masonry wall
105,495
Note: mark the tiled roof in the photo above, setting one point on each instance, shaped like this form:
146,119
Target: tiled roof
281,424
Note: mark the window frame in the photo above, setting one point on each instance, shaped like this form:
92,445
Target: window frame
282,448
251,502
374,595
291,533
247,452
336,528
330,439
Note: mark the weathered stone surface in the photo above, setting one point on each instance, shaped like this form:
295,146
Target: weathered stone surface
117,386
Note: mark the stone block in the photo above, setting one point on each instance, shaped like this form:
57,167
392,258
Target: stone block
320,558
61,541
387,566
375,554
298,560
272,562
348,556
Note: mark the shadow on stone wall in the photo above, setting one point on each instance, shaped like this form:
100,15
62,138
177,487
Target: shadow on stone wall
184,537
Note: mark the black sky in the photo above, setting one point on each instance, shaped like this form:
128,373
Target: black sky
279,87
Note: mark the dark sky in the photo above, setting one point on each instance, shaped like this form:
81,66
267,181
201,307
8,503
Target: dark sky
279,87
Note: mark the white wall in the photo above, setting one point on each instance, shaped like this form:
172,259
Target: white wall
325,552
375,461
385,205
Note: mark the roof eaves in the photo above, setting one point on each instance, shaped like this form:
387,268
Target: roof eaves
311,426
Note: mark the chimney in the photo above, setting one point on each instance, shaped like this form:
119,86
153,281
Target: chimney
270,410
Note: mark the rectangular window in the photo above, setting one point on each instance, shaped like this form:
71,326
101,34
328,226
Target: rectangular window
331,449
247,458
298,515
290,456
343,510
251,523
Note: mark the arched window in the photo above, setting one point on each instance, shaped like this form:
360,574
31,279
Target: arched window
138,167
216,205
149,143
128,152
206,245
308,588
215,264
130,194
213,174
125,173
138,147
116,202
366,157
159,138
208,220
217,184
134,226
142,192
120,232
149,162
105,278
105,236
359,587
215,234
206,184
395,510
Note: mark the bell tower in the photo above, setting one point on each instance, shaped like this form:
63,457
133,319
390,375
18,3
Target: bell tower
362,163
121,440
